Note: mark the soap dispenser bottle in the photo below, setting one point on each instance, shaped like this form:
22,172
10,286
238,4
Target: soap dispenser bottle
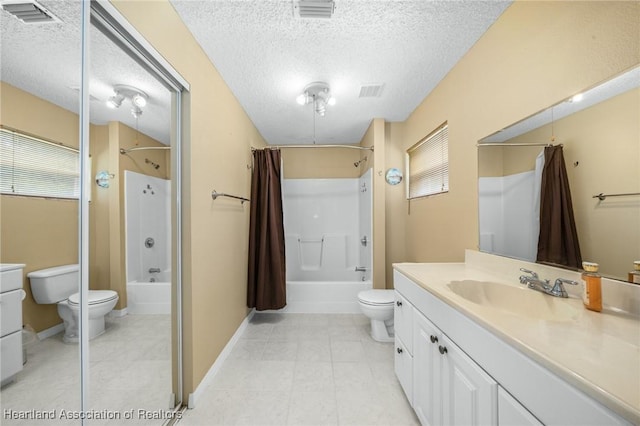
634,276
592,296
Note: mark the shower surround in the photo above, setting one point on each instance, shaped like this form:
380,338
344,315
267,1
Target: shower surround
148,244
328,238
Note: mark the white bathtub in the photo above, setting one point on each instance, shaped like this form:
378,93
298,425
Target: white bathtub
324,296
144,297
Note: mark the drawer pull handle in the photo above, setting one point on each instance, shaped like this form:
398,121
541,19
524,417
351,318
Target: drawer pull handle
399,303
434,339
442,350
399,350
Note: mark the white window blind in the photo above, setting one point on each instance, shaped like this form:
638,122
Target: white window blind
428,165
30,166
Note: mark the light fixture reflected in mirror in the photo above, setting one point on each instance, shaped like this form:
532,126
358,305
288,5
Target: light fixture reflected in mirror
136,96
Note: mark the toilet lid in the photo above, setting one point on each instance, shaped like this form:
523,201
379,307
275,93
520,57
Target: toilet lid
95,297
377,297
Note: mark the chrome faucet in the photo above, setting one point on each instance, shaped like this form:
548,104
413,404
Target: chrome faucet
154,270
535,283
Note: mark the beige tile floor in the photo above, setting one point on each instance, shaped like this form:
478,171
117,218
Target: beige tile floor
305,369
130,368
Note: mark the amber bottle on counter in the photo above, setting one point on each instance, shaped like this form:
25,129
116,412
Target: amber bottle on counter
634,276
592,296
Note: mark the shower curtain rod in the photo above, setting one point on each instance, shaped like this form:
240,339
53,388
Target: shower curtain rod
514,144
142,148
368,148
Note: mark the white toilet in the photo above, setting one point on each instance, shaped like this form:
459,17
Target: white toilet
378,306
60,285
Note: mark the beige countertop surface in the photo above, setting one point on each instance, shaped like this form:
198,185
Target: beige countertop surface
598,353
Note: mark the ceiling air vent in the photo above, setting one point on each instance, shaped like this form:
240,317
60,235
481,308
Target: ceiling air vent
30,12
371,91
313,9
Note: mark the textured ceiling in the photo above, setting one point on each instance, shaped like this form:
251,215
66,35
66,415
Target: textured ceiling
45,61
266,55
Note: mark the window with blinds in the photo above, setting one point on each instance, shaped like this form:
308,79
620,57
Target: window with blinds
428,165
33,167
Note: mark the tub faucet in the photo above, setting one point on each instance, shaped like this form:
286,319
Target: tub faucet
361,269
154,270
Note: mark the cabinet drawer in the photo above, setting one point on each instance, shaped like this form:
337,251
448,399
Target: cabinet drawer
10,355
404,369
10,312
403,321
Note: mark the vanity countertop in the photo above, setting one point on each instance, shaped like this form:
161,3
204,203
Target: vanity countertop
598,353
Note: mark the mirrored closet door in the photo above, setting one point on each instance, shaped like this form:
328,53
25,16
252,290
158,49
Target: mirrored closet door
112,346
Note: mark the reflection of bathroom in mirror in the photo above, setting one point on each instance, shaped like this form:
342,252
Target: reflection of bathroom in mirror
600,134
41,75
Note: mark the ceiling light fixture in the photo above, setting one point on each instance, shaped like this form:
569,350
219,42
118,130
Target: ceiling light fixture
318,94
137,98
115,101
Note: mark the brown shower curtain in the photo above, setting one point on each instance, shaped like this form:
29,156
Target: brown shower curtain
266,287
558,240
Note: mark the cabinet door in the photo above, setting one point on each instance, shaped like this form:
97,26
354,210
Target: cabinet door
403,321
11,355
426,371
512,413
10,312
470,396
404,368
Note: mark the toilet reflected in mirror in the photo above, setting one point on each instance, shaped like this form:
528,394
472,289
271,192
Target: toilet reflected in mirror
59,285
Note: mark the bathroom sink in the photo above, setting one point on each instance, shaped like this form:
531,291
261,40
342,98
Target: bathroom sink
515,300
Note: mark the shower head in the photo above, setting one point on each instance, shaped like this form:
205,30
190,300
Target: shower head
154,165
357,163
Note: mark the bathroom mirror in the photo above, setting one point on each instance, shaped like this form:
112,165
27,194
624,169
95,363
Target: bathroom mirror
131,365
600,134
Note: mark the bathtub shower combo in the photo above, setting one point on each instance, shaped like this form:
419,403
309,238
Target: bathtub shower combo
148,244
328,238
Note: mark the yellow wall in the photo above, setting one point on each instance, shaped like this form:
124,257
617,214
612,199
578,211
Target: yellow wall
604,141
216,154
534,55
318,163
375,137
396,201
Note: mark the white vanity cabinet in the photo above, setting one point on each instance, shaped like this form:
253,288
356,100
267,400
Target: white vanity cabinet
11,295
512,413
463,374
449,387
403,326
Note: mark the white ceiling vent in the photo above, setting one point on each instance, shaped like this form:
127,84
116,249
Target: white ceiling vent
371,90
30,12
313,8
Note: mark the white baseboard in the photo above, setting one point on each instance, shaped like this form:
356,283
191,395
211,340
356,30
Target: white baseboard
117,313
51,331
197,393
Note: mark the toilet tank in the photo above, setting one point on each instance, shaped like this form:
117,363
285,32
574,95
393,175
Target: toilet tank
53,285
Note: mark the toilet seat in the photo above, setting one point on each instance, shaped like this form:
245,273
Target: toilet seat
95,297
377,297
